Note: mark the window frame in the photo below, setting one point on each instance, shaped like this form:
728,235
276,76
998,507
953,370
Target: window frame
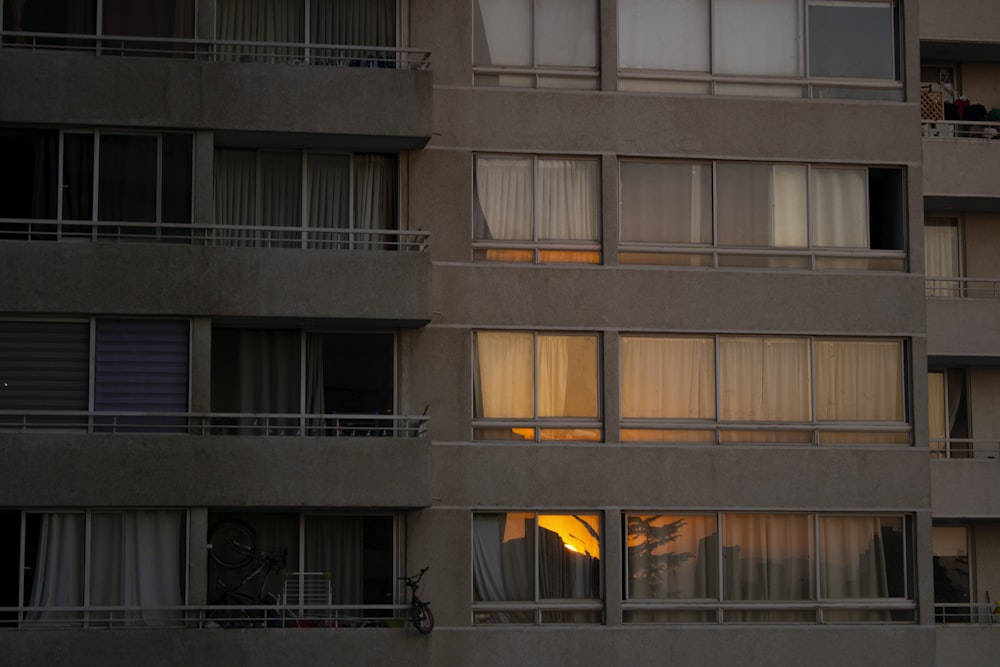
539,609
538,428
885,208
536,250
811,431
533,74
802,84
816,608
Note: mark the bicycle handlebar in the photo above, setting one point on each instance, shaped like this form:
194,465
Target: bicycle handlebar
416,577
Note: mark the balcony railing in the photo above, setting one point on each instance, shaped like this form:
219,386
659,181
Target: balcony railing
239,236
967,612
963,288
281,615
219,50
827,611
965,448
690,255
960,129
217,423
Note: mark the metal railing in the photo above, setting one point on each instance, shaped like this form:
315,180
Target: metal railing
838,611
223,50
217,423
280,615
234,236
967,612
716,84
962,288
965,448
960,129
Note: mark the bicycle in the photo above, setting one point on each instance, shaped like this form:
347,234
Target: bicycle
233,546
420,614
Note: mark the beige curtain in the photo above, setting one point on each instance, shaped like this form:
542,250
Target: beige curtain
859,380
505,199
567,376
672,557
569,204
504,375
667,378
768,557
764,379
941,257
854,559
838,207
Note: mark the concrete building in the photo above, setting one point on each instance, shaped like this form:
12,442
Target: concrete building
660,331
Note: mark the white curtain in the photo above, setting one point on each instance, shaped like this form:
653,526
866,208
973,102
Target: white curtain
136,559
941,258
757,37
838,207
353,22
668,378
672,557
666,202
768,557
505,27
505,375
236,195
937,410
505,198
653,34
764,379
59,572
569,203
336,545
859,380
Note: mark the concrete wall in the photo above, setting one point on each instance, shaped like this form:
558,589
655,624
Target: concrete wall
946,167
977,21
982,242
963,327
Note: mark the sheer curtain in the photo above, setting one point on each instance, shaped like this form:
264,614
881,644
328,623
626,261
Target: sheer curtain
59,573
668,378
859,380
503,556
761,205
838,207
281,196
768,557
259,21
375,197
236,196
565,33
567,376
764,379
856,561
329,198
569,203
941,258
505,199
336,545
506,29
653,34
354,23
505,375
136,559
269,373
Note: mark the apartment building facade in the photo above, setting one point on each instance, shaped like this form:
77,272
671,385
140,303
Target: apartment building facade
657,330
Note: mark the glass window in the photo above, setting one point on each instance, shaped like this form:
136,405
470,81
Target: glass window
668,378
672,556
761,205
521,376
942,257
838,207
354,554
770,567
97,559
664,35
259,193
859,380
764,379
953,565
852,39
548,205
666,202
538,560
542,33
742,26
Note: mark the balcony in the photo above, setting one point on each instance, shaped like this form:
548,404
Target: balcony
367,97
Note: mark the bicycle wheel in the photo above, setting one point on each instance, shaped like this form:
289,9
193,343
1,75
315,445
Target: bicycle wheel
233,543
422,618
